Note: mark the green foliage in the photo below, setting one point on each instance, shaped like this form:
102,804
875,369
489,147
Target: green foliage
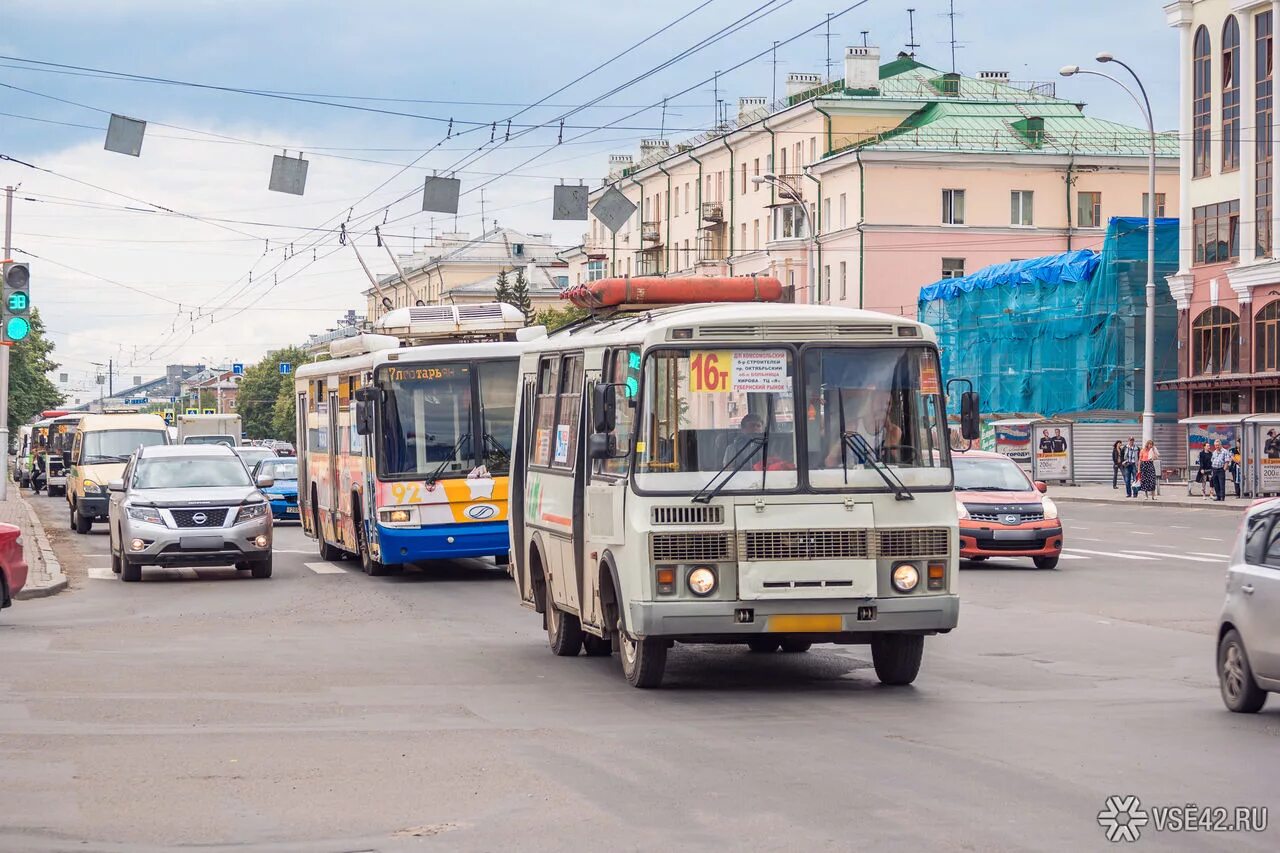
261,390
502,293
555,318
30,391
284,413
520,296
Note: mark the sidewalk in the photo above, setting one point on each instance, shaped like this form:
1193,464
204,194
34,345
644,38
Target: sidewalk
1170,494
44,576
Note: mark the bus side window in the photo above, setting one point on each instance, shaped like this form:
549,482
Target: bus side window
623,370
544,410
569,413
75,450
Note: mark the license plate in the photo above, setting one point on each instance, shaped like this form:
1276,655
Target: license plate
824,623
201,543
290,512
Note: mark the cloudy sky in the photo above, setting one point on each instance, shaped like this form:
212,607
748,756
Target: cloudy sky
234,269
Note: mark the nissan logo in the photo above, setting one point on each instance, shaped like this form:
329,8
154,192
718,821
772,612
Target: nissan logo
199,518
1010,519
481,512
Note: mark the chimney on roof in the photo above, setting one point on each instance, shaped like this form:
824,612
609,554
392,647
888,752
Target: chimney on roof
800,83
618,163
751,109
653,146
994,76
862,67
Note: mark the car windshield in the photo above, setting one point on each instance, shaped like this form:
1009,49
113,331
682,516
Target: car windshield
976,474
190,472
278,469
253,455
210,439
116,445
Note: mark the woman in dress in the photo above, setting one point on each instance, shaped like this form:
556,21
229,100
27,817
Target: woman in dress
1149,466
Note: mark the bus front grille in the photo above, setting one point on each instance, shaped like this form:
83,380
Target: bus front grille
689,514
913,542
691,547
757,545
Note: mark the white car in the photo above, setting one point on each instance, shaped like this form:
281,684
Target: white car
1249,628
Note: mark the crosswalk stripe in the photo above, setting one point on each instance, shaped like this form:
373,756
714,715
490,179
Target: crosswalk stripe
1109,554
1219,557
326,568
1065,556
102,574
1177,557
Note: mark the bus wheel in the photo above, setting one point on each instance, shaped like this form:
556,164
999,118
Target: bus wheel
896,657
795,647
597,647
328,553
763,645
643,661
564,632
373,568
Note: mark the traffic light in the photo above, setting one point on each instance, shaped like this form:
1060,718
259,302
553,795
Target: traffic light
17,302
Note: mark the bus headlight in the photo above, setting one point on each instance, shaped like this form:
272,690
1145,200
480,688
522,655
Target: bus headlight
1050,508
92,488
396,516
961,510
702,581
905,577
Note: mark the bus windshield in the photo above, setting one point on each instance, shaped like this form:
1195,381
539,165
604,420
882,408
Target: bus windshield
117,445
716,420
429,418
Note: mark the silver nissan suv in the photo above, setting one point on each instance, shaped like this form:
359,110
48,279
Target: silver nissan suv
188,505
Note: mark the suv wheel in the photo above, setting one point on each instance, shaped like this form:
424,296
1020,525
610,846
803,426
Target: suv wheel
1240,693
81,523
130,572
262,568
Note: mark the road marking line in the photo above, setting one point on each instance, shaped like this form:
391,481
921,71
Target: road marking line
1087,539
1180,526
1066,556
1109,554
1210,538
326,568
287,551
1207,554
1142,533
1177,556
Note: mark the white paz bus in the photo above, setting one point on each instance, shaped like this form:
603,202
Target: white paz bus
760,473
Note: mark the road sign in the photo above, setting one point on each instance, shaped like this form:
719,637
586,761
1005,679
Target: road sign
614,209
211,411
285,368
193,411
569,203
137,401
124,135
237,369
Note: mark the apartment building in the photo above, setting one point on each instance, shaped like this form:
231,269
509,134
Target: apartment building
856,191
1228,283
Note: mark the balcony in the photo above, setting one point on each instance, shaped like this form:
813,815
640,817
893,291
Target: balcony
786,183
650,232
713,211
649,263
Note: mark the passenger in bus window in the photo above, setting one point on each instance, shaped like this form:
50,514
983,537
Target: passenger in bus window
750,426
868,412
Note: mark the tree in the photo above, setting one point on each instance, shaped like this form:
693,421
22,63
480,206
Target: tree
502,293
30,391
555,318
261,388
284,413
520,296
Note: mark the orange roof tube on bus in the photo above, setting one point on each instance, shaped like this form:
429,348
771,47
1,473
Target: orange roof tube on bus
656,290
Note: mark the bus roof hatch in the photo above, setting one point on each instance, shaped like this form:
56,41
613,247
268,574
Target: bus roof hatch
425,323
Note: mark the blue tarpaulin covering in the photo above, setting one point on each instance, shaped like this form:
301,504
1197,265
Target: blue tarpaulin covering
1062,333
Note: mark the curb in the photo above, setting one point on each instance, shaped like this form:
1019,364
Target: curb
47,557
1156,504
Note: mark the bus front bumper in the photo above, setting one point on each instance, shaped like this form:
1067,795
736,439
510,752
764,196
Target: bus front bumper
846,620
399,545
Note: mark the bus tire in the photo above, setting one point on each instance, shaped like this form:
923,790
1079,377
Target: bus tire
897,657
795,647
328,553
373,568
596,647
643,660
564,632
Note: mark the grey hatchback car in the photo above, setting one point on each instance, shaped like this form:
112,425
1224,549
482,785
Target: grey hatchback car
188,505
1249,628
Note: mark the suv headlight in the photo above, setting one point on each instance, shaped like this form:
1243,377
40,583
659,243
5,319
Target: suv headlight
92,488
149,514
248,512
1050,508
961,510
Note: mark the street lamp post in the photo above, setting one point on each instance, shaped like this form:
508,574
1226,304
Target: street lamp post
1149,350
790,192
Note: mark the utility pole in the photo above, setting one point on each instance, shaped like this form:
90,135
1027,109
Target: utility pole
111,377
775,74
952,16
4,351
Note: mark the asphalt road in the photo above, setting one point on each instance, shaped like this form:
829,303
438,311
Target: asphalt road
328,711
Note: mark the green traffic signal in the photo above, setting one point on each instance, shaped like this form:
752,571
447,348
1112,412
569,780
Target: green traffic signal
17,328
19,302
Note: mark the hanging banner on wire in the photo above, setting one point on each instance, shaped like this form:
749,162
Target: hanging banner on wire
288,175
569,203
124,135
440,195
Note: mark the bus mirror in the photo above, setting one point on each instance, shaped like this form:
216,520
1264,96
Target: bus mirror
970,426
364,416
66,459
602,445
366,394
604,407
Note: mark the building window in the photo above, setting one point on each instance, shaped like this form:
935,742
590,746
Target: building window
953,207
743,248
1089,209
952,267
1230,95
824,287
1215,229
1146,204
843,209
1266,336
826,213
1202,80
1213,341
744,179
756,172
686,197
595,270
1020,207
813,149
755,233
1215,402
676,206
1266,400
562,281
844,281
789,222
783,161
1263,95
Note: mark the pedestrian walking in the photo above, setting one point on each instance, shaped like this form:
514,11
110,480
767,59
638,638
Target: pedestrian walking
1117,461
1204,470
1219,465
1234,468
1130,469
1149,470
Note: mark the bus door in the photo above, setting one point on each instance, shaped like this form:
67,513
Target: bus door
304,493
516,517
334,450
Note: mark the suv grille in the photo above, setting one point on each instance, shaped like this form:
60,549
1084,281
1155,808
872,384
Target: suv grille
803,545
999,517
687,514
212,517
690,547
914,542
